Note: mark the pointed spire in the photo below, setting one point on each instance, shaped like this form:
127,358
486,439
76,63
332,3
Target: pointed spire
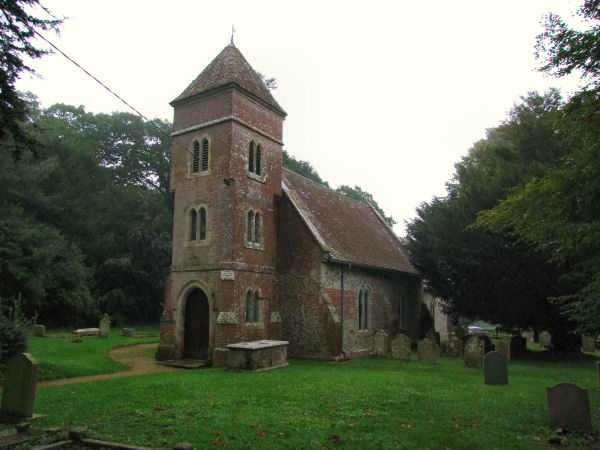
232,33
230,67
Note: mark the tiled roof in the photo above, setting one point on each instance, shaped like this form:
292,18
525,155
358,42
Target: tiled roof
350,231
228,67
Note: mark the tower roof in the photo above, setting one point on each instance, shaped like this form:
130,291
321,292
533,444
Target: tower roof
230,67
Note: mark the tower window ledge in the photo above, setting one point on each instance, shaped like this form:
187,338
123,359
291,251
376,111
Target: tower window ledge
261,178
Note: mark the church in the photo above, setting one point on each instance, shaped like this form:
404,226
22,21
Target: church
260,252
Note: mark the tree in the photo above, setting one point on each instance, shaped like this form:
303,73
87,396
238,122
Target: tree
18,28
481,273
361,196
303,168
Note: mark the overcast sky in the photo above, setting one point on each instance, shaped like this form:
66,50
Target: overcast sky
386,95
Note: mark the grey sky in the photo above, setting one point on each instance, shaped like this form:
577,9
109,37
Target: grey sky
386,95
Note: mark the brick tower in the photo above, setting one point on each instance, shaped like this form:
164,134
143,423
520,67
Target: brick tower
226,177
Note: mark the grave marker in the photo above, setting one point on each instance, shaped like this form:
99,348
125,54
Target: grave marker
518,346
545,339
568,407
104,326
588,343
455,347
427,351
401,347
503,347
381,343
18,395
40,330
128,332
494,368
474,351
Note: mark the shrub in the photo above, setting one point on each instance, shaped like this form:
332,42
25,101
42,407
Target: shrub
14,330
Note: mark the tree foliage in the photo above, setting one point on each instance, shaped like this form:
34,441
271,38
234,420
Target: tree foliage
18,25
359,195
481,273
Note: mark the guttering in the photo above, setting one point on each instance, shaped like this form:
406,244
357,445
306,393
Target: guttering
343,262
342,311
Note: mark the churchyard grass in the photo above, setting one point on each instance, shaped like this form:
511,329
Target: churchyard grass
59,357
363,403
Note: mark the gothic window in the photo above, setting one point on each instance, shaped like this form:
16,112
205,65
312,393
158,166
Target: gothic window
204,155
196,157
251,157
257,165
254,229
197,224
363,308
202,233
200,156
193,225
257,228
255,159
252,307
250,227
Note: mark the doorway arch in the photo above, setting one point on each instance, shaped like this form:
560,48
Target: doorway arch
196,325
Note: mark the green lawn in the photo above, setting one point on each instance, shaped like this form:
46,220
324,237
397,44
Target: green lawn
364,403
59,357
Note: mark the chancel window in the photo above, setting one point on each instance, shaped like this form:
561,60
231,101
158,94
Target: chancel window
363,308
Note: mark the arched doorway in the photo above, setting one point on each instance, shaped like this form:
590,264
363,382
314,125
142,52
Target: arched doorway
195,340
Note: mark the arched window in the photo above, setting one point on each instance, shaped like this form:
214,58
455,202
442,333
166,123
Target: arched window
196,157
251,157
202,224
252,306
257,165
250,226
257,228
363,308
193,225
204,155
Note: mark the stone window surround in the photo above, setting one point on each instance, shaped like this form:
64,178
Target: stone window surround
253,292
256,176
199,139
198,242
250,243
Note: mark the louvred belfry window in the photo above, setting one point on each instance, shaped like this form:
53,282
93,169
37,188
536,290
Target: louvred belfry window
204,155
196,157
251,158
202,224
257,165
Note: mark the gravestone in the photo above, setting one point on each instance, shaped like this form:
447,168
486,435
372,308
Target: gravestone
427,351
401,347
455,347
588,344
104,326
518,346
568,407
545,339
381,343
474,351
40,330
18,395
128,332
528,335
495,370
502,346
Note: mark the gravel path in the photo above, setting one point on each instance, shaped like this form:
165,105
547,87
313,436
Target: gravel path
133,355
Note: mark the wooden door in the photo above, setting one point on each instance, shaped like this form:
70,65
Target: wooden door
195,343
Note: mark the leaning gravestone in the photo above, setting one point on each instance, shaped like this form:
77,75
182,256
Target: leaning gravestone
474,351
104,326
588,343
502,346
40,330
545,339
18,395
401,347
381,343
568,407
455,346
495,370
427,351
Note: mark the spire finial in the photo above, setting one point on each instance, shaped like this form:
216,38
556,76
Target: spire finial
232,33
